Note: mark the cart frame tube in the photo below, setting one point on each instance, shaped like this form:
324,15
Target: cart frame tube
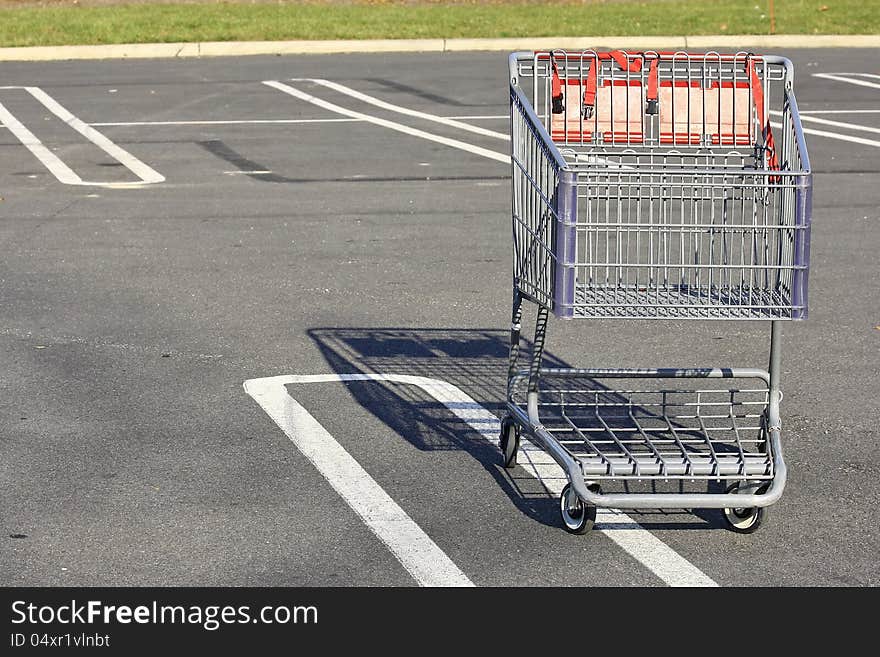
566,244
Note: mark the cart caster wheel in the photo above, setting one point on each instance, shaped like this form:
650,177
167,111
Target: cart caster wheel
509,442
745,520
577,517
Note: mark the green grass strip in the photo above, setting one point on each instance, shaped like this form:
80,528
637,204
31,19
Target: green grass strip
156,23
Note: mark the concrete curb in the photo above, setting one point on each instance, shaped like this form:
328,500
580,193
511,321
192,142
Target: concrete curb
233,48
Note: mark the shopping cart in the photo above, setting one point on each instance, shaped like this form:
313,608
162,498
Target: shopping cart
654,186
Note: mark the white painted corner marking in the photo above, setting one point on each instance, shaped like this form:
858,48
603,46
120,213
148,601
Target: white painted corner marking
146,174
638,542
415,550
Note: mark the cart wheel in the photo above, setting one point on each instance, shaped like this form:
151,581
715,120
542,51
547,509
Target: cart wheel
577,517
509,442
745,520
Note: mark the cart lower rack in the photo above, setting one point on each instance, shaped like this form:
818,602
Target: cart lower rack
654,186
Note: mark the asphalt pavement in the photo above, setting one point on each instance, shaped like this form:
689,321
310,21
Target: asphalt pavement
237,232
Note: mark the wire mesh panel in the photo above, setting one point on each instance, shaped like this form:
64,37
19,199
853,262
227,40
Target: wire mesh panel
627,429
693,245
534,186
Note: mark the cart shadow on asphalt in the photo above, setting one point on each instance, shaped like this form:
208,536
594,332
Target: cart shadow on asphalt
476,361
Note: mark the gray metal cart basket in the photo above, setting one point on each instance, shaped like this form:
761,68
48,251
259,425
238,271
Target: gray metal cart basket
652,186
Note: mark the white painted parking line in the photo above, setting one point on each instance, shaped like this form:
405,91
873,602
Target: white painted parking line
834,135
639,543
415,550
835,124
858,75
845,111
125,124
393,125
851,78
348,91
59,169
51,161
482,117
258,172
229,122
